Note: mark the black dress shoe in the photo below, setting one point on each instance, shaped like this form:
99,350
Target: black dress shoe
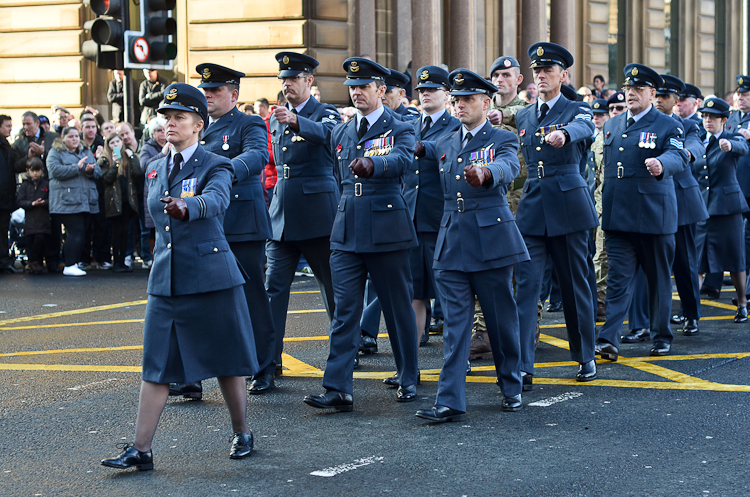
242,445
331,400
554,307
711,293
436,326
512,403
130,457
660,348
393,380
356,362
608,351
368,345
690,327
586,371
425,338
635,336
406,394
441,414
187,390
677,319
261,383
528,381
741,315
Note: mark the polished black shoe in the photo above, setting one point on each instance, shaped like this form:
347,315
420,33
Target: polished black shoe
368,345
554,307
261,383
512,403
608,351
441,414
242,445
528,381
586,371
436,326
406,394
690,327
187,390
331,400
425,338
711,293
393,380
677,319
356,362
741,315
660,348
635,336
130,457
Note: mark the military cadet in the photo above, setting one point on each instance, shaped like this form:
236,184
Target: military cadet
477,246
197,324
687,103
643,149
304,201
396,83
372,232
593,159
243,139
739,122
723,249
556,211
505,74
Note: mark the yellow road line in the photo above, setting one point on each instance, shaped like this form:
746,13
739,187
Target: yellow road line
70,367
72,312
72,351
296,366
67,325
306,291
556,342
713,303
664,372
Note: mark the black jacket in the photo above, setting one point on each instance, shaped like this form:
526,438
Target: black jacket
7,176
37,216
115,95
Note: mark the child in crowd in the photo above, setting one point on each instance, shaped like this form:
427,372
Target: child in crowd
33,197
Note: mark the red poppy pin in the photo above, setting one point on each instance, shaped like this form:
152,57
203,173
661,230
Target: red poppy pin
152,174
729,126
46,189
606,135
339,148
522,132
442,158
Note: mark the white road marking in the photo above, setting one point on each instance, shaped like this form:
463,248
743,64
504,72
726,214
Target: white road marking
556,400
343,468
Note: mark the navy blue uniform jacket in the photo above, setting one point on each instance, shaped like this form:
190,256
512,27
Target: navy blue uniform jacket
247,136
372,214
555,199
305,198
690,205
722,193
192,256
733,125
632,199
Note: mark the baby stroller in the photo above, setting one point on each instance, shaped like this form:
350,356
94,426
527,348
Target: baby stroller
17,240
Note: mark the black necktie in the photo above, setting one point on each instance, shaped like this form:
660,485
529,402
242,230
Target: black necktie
543,111
294,111
631,121
176,167
711,141
427,124
467,139
362,128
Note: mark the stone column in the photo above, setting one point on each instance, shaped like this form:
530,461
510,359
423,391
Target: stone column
364,28
426,32
534,29
562,30
460,53
401,20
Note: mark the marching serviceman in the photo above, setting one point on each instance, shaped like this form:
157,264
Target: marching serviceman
477,246
306,195
197,324
372,232
643,149
556,210
396,83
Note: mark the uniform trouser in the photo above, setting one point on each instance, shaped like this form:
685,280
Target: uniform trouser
638,310
550,286
627,252
250,256
685,270
570,256
370,322
494,290
391,277
282,263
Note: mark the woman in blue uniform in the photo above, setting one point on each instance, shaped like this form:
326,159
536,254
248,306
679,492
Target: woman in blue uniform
197,324
723,234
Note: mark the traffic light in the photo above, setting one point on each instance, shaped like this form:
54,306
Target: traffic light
107,34
152,47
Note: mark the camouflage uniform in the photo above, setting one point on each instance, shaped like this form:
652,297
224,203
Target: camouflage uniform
601,264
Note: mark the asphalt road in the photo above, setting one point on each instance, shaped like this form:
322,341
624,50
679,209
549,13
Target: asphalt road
70,352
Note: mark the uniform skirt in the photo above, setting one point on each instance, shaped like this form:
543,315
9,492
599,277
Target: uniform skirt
421,258
189,338
724,244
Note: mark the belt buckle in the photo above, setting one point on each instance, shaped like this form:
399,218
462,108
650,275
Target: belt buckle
460,204
286,171
540,171
620,172
357,189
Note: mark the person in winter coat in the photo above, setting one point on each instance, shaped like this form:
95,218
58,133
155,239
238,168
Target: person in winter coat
33,197
73,197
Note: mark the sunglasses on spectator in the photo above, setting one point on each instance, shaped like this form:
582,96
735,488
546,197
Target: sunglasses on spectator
617,107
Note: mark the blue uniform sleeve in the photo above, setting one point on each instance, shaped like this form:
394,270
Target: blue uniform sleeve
254,156
693,142
214,198
319,132
398,160
674,157
739,145
506,165
581,127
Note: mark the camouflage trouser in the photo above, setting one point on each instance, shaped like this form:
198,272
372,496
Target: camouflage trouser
601,265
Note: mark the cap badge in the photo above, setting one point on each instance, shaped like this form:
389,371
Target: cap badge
506,63
596,105
353,67
740,81
172,94
710,103
459,79
620,96
540,51
206,73
425,74
634,72
285,60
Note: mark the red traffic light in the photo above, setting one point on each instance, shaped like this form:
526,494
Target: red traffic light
106,7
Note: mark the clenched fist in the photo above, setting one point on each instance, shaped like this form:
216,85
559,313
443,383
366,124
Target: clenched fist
362,167
476,176
176,208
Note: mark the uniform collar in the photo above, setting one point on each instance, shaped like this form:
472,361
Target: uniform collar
300,106
186,154
372,117
550,103
473,130
641,114
433,117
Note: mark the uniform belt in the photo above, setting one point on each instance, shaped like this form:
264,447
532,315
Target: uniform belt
620,172
301,171
360,189
546,170
469,204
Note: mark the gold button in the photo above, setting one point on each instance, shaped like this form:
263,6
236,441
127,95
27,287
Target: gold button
458,177
390,206
536,134
416,187
460,160
339,157
458,194
416,158
619,163
624,135
236,196
169,245
541,163
704,156
356,177
166,228
707,188
216,249
286,132
442,170
538,149
706,177
704,167
203,142
417,171
498,220
359,147
167,193
621,149
283,149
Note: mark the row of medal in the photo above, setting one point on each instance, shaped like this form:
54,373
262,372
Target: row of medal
482,157
545,130
378,146
647,140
